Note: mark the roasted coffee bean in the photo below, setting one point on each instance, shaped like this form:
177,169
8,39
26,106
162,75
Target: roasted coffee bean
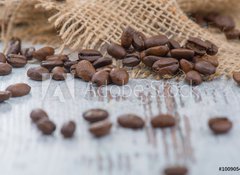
19,89
138,41
150,60
176,170
131,60
220,125
16,61
106,68
210,17
38,114
232,34
116,51
101,62
173,44
3,58
101,78
205,68
101,128
186,65
127,37
14,46
199,19
131,121
211,59
236,77
182,53
85,70
68,64
46,126
157,51
212,48
4,95
197,45
5,69
95,115
41,54
193,78
163,120
68,129
28,52
38,73
224,23
156,41
51,64
59,73
119,76
59,57
166,66
89,55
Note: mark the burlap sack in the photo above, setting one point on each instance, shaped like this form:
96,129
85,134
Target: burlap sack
93,23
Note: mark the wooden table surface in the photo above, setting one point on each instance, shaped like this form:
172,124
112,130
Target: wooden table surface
24,151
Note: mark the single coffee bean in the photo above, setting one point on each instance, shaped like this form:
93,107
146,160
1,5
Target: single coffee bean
101,78
224,23
131,60
119,76
157,51
193,78
182,54
127,37
89,55
205,68
59,73
101,128
173,44
220,125
68,64
131,121
197,45
51,64
138,41
68,129
210,17
14,46
236,77
163,120
58,57
150,60
38,73
176,170
232,34
41,54
4,95
5,69
107,68
186,65
3,58
156,41
212,48
28,52
166,66
16,61
19,89
116,51
101,62
38,114
46,126
95,115
85,70
211,59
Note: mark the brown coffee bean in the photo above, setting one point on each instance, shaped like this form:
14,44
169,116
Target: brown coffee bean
211,59
127,37
210,17
119,76
59,73
5,69
116,51
150,60
85,70
197,45
236,77
205,68
212,48
173,44
220,125
38,73
19,89
16,61
28,52
131,121
51,64
58,57
166,66
232,34
131,60
38,114
41,54
101,62
46,126
101,78
156,41
101,128
3,58
4,95
68,64
89,55
224,23
157,51
163,120
186,65
138,41
14,46
182,54
106,68
193,78
95,115
68,129
176,170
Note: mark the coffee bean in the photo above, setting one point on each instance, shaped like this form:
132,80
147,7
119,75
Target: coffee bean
68,129
46,126
176,170
150,60
232,34
51,64
3,58
59,73
131,60
182,53
28,52
5,69
89,55
163,120
68,64
212,48
193,78
101,128
41,54
197,45
156,41
19,89
173,44
38,114
116,51
58,57
224,23
107,68
4,95
85,70
127,37
210,17
166,66
101,78
16,61
73,70
119,76
157,51
186,65
205,68
211,59
95,115
38,73
101,62
220,125
236,77
14,46
131,121
138,41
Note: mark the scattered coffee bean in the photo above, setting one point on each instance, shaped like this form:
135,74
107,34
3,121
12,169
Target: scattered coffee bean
186,65
205,68
131,60
119,76
173,44
197,45
95,115
51,64
163,120
182,54
232,34
101,78
157,51
212,48
166,66
68,129
38,114
106,68
224,23
28,52
176,170
193,78
14,46
150,60
19,89
131,121
89,55
116,51
59,57
211,59
68,64
236,77
4,95
220,125
85,70
127,37
2,58
46,126
41,54
101,128
156,41
101,62
5,69
59,73
38,73
16,61
138,41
